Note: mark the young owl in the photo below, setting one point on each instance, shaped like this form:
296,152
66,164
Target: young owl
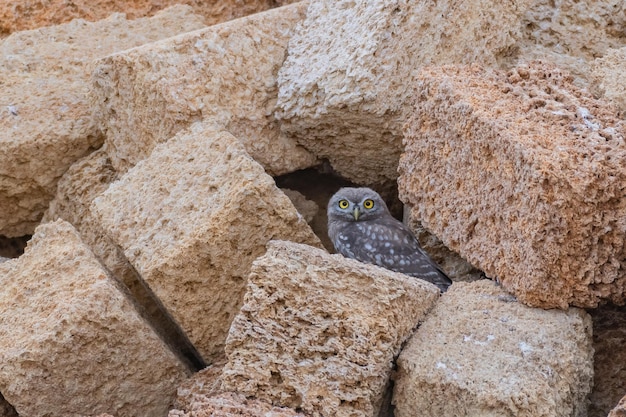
361,227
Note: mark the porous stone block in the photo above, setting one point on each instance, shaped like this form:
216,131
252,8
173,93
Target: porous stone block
481,353
609,361
619,410
85,180
608,76
345,87
230,404
523,175
46,120
191,219
31,14
225,73
71,343
319,332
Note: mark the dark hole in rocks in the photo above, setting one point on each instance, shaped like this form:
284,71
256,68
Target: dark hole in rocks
13,247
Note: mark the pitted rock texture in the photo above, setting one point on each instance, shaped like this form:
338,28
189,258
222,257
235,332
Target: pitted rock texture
481,353
46,120
191,219
72,343
608,76
224,73
231,404
31,14
524,176
319,332
345,85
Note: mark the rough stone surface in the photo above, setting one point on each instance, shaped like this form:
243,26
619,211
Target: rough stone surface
619,410
203,384
608,76
80,185
225,73
31,14
344,90
319,332
480,353
609,339
345,83
307,208
71,343
506,168
230,404
191,219
45,117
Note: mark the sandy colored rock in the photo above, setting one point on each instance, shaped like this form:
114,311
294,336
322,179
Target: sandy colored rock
225,73
31,14
318,332
45,117
191,219
230,404
609,339
85,180
307,208
345,87
481,353
523,175
71,343
619,410
608,75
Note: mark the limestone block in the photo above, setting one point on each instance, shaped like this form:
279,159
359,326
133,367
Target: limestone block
609,362
619,410
524,176
31,14
225,73
344,87
230,404
71,343
481,353
191,219
571,33
608,76
319,332
46,120
85,180
307,208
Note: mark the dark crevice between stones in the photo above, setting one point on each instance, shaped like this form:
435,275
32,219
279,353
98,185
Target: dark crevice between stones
13,247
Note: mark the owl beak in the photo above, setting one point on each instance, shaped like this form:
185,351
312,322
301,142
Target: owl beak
356,213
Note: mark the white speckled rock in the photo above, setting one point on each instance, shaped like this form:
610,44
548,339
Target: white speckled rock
481,353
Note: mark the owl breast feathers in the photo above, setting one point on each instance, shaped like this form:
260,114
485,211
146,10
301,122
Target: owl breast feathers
361,227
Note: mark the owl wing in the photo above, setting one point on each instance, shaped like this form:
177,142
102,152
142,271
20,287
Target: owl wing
390,244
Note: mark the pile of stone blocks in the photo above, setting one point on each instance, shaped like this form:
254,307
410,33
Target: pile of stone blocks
143,156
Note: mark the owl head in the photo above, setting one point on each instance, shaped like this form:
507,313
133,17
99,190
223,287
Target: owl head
356,204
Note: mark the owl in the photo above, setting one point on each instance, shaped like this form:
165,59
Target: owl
361,227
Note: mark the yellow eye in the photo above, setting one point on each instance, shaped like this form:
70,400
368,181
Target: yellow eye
368,204
343,204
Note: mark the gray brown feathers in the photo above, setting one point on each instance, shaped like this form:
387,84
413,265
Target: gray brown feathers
361,227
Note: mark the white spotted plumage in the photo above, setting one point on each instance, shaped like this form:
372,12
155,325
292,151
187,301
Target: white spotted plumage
361,227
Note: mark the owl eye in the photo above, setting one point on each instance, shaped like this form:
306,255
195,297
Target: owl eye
368,204
343,204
